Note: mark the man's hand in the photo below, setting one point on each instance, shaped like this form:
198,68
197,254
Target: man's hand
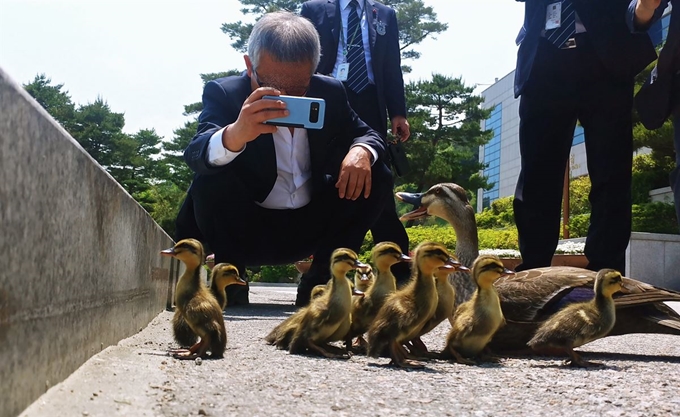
400,128
355,174
250,122
644,11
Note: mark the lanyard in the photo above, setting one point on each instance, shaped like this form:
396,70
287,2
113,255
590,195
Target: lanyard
343,42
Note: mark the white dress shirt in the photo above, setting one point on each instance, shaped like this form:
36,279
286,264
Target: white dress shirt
292,189
344,14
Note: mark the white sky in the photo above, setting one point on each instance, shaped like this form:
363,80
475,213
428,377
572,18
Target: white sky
144,57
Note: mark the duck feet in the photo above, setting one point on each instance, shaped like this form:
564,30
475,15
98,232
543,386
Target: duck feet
398,355
578,362
340,353
407,364
458,357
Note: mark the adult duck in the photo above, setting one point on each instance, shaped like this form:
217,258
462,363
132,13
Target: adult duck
529,297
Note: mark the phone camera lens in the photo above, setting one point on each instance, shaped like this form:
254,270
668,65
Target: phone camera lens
314,112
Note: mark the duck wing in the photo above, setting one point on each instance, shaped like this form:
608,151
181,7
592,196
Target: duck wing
535,294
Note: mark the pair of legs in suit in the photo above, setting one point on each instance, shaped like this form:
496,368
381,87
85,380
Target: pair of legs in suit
387,227
567,85
221,212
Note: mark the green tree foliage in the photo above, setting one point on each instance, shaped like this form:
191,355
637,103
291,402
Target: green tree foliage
445,122
649,173
132,159
651,170
655,218
51,97
500,214
416,22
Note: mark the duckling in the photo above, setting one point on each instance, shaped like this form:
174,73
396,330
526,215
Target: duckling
581,323
529,297
224,275
364,310
476,320
445,307
363,278
327,317
196,304
406,311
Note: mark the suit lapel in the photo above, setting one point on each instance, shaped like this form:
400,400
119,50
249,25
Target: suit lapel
332,12
372,14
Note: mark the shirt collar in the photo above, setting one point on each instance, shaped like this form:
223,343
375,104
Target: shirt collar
345,4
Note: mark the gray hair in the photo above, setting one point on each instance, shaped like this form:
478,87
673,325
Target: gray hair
287,37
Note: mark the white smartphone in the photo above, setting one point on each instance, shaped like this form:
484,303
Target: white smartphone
305,112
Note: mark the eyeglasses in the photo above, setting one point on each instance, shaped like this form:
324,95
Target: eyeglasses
289,88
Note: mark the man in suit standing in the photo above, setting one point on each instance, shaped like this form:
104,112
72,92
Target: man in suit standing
360,47
659,98
577,60
267,195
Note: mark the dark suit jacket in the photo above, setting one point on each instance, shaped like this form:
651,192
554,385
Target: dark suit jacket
609,24
385,54
256,166
669,58
660,95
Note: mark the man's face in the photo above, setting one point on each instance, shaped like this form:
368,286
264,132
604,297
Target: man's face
291,78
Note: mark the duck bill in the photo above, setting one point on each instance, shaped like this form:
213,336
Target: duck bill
364,277
404,258
359,264
416,200
454,264
357,292
445,267
508,272
239,281
168,252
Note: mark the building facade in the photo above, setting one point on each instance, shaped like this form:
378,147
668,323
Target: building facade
501,154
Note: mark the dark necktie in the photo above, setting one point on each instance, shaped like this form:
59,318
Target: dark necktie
357,78
559,36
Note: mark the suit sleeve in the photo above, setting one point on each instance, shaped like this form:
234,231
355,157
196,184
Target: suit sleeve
394,80
357,132
630,16
215,115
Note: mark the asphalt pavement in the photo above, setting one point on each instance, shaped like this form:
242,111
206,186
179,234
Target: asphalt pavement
641,377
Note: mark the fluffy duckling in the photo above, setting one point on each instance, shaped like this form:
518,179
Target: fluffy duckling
327,317
445,307
581,323
406,311
363,278
476,320
364,309
196,305
224,275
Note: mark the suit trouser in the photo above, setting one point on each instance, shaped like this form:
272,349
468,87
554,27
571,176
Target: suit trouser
567,85
387,227
242,233
675,174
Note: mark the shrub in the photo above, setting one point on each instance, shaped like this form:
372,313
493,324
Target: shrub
276,273
578,225
654,218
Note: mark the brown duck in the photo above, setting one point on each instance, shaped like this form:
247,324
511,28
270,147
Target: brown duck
529,297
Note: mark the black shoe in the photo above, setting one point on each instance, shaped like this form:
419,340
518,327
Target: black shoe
402,273
237,295
304,289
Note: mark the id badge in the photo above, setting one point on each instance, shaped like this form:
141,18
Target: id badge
343,70
553,16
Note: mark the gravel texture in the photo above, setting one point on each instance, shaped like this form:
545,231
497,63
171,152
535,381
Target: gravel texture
641,377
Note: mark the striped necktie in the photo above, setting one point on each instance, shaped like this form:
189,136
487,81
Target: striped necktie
357,78
567,29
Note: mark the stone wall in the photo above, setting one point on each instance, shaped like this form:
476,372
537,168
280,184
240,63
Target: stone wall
79,259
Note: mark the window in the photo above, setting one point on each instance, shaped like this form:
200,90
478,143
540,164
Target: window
492,155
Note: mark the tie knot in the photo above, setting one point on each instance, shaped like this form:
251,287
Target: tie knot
354,4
